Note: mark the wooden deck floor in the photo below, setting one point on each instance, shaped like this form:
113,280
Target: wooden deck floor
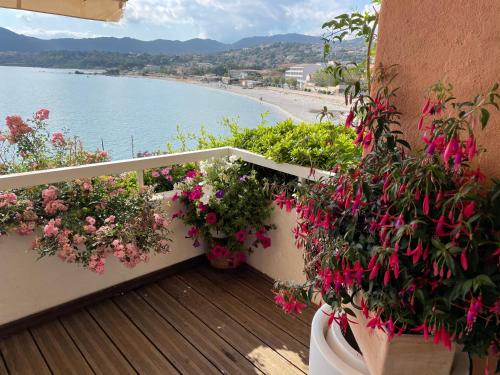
196,322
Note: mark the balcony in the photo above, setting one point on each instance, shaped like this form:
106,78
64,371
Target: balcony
172,315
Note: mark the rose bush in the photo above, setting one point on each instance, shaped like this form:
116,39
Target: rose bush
82,221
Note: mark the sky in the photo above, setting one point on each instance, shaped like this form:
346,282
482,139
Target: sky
223,20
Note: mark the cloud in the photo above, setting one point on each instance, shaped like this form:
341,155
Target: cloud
229,20
51,34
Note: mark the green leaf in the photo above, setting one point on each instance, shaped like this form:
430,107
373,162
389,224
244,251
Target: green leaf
485,116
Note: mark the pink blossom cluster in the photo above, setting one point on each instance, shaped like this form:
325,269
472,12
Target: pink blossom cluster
7,199
51,204
58,139
288,302
17,128
164,172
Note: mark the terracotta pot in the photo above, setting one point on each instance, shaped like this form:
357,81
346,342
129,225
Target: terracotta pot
406,354
225,263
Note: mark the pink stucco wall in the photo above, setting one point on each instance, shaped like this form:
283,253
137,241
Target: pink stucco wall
456,41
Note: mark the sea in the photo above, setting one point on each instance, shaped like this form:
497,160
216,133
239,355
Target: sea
124,115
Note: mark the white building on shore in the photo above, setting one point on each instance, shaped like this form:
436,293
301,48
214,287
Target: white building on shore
303,73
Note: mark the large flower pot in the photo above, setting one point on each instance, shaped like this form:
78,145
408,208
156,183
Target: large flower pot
231,261
406,354
331,354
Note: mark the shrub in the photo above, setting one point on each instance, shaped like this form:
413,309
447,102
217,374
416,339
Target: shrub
322,145
409,239
83,221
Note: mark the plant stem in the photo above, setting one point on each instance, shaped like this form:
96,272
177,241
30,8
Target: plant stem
368,53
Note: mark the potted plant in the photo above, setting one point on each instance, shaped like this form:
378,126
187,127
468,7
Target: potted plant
403,247
227,208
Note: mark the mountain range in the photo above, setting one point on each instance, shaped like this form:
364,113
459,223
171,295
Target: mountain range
13,42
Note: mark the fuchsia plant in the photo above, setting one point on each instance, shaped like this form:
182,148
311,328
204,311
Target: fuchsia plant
408,238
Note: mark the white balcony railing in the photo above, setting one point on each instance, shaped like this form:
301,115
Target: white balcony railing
51,176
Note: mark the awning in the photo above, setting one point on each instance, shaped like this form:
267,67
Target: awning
100,10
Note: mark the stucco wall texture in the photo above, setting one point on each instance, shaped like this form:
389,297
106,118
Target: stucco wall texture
454,41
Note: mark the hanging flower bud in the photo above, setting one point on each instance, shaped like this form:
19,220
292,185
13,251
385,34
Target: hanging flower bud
349,119
425,205
463,260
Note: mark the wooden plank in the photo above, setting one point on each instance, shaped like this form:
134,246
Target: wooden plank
97,348
22,355
264,285
241,338
143,356
279,340
185,357
59,350
223,355
258,303
3,367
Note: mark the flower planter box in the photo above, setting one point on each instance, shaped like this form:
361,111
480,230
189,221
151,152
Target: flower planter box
405,354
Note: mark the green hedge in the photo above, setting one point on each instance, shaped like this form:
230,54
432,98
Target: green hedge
321,145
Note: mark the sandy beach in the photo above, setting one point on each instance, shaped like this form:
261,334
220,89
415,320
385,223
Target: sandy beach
297,105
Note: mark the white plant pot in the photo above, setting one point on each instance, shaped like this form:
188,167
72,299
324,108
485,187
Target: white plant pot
331,354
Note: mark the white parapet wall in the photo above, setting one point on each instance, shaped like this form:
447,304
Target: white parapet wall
282,261
29,285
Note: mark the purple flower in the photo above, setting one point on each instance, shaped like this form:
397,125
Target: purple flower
243,178
220,194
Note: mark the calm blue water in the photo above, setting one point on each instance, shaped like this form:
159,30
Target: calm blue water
116,108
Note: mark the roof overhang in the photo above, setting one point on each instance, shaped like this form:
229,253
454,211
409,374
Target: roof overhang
99,10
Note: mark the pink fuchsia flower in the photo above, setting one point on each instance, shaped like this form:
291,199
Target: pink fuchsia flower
469,209
349,119
58,139
165,172
241,235
42,114
155,174
211,218
475,308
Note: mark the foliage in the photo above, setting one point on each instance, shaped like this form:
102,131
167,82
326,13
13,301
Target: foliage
84,221
410,239
345,26
261,57
322,146
226,206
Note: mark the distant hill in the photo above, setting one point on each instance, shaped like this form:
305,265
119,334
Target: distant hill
12,42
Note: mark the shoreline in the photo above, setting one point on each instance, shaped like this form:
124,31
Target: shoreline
300,106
